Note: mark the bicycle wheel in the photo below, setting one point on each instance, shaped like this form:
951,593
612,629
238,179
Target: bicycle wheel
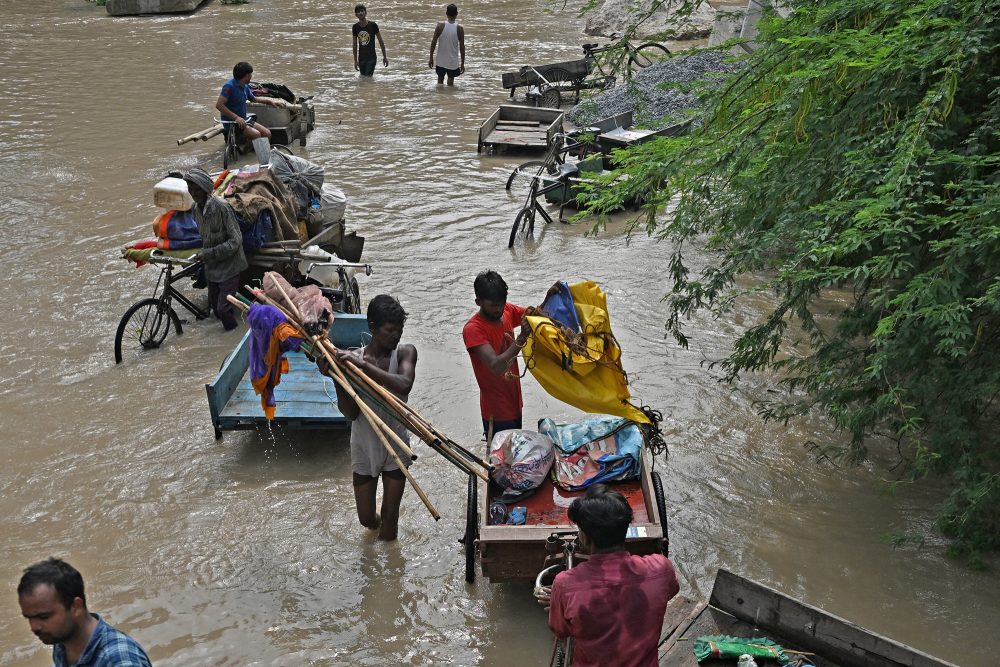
524,224
646,55
520,179
352,297
144,326
471,529
231,153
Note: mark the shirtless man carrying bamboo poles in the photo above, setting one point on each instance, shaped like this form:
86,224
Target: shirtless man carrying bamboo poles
393,366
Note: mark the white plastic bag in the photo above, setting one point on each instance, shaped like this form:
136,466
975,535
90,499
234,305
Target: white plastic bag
333,203
521,460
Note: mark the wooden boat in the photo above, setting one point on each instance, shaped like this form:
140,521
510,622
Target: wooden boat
743,608
518,553
520,128
305,397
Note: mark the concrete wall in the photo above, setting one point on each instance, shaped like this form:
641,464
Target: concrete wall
129,7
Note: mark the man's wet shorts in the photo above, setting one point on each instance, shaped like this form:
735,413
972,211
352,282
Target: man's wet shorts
450,72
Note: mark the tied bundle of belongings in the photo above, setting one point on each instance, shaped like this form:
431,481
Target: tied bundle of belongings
520,461
574,355
302,177
270,337
601,449
315,309
176,230
724,646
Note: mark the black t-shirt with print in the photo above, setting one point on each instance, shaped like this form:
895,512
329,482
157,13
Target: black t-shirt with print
366,40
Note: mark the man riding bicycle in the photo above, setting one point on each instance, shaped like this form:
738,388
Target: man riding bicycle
232,103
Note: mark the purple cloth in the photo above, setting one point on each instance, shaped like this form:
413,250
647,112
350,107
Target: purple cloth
262,320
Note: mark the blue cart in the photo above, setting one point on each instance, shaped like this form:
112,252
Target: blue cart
305,397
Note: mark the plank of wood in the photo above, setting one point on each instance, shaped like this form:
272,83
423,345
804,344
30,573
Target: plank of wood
527,123
694,610
811,628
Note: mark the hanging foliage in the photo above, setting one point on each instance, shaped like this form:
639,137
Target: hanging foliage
855,156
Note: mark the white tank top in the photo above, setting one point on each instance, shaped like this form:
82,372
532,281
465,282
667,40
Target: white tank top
448,55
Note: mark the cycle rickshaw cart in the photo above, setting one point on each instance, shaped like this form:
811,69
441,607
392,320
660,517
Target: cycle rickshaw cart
328,258
520,552
597,70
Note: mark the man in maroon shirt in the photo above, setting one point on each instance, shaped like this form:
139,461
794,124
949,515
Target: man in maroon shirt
489,338
613,603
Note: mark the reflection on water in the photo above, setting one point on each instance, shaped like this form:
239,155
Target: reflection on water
247,549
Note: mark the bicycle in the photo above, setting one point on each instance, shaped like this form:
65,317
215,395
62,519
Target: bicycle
146,323
623,53
562,547
233,133
531,174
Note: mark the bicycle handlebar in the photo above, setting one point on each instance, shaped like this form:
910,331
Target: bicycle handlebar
157,257
348,265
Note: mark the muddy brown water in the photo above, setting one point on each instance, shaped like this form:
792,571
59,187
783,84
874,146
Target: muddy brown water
246,550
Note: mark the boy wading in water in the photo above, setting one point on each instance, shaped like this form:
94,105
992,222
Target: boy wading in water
365,34
393,366
449,38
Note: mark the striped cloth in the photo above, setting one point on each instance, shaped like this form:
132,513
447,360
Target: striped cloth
107,647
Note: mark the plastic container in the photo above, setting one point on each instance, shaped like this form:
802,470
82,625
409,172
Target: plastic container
262,147
172,193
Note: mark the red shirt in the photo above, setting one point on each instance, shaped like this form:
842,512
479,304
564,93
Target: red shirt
499,396
613,606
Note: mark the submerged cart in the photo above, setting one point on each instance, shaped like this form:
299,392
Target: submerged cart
518,553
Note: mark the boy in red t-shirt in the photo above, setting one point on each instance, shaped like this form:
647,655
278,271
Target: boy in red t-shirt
489,338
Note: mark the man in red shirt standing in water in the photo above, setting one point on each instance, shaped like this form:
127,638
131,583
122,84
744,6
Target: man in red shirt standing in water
489,338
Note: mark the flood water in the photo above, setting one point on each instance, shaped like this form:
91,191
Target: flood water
246,550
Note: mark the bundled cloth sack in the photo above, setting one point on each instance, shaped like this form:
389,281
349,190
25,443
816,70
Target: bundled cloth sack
520,460
176,230
315,309
601,449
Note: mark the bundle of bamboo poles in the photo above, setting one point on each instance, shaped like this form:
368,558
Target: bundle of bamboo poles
353,380
204,135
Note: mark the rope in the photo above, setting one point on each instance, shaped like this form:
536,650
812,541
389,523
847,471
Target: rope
652,432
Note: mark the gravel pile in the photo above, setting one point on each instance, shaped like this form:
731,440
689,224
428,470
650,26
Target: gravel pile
652,106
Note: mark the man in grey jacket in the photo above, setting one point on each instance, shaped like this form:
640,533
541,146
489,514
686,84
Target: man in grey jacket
222,245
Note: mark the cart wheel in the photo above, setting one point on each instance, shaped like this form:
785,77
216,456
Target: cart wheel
520,179
550,97
661,509
144,326
471,529
524,224
355,301
646,55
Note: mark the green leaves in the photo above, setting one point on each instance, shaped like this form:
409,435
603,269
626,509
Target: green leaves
858,156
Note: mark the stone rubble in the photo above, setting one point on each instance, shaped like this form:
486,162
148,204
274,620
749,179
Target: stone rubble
652,106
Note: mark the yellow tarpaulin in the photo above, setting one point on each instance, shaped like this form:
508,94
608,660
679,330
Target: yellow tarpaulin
583,370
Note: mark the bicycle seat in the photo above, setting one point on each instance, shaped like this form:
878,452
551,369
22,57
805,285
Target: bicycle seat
568,170
588,47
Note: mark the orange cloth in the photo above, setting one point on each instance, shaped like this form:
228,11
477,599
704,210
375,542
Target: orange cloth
276,366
